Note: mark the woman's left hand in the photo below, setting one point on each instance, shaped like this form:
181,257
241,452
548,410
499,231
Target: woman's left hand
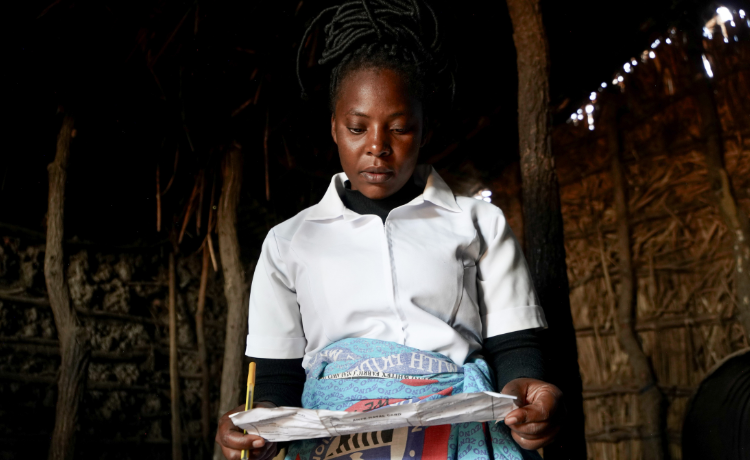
536,422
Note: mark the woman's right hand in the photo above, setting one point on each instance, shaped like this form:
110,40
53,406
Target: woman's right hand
233,441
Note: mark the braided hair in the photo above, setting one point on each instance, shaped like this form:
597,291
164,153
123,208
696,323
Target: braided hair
400,35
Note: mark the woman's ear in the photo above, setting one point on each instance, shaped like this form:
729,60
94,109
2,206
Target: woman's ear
333,128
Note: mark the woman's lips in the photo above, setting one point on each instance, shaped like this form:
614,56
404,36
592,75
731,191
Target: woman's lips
376,176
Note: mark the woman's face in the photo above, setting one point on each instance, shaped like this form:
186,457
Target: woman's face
378,127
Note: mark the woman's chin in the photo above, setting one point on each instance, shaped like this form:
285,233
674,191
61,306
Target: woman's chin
377,191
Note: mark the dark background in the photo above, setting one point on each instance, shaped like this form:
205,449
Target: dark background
144,79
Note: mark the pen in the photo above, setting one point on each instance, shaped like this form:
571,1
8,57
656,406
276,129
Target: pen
249,399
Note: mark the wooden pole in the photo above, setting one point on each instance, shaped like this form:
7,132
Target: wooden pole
74,350
174,371
650,398
202,353
723,193
234,285
542,218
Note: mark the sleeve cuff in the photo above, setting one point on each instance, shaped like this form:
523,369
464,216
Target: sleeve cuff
260,346
513,319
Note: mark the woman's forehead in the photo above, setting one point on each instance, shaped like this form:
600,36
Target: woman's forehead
378,90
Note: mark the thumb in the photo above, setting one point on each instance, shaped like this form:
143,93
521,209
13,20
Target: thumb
519,415
517,388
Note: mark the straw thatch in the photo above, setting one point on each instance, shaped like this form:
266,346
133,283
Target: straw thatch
686,312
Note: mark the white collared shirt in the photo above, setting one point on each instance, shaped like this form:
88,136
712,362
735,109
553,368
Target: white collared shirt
442,274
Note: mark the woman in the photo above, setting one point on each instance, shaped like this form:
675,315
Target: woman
391,275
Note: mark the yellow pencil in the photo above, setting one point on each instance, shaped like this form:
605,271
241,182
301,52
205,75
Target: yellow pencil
249,398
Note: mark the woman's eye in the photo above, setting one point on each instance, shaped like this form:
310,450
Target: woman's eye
399,130
357,130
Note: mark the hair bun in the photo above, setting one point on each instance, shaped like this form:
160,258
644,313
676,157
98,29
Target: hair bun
375,31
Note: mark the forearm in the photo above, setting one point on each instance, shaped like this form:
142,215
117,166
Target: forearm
279,381
515,355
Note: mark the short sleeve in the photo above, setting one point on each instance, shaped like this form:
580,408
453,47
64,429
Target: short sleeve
274,320
507,300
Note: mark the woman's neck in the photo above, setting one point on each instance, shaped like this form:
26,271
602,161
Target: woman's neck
360,204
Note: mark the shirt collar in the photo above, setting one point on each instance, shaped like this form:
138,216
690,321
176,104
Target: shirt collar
436,191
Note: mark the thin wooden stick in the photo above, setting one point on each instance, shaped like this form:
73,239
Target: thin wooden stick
212,206
607,277
170,38
174,377
257,93
199,211
243,106
202,353
188,211
174,172
51,5
599,348
212,252
289,158
211,225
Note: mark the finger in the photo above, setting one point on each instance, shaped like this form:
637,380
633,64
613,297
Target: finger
530,444
238,441
522,415
268,451
544,401
515,416
545,435
534,430
226,424
229,454
533,413
255,454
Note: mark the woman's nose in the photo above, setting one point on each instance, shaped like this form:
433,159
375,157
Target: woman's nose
378,144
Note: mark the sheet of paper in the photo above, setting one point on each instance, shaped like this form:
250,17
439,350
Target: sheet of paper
292,423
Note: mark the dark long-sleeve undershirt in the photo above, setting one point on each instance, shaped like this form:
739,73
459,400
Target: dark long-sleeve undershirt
511,356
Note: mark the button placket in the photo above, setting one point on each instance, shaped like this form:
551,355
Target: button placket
388,238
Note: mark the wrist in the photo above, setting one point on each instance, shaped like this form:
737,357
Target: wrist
264,405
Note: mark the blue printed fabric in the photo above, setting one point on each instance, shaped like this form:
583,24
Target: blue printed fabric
360,375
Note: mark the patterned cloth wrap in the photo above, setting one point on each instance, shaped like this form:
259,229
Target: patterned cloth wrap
360,375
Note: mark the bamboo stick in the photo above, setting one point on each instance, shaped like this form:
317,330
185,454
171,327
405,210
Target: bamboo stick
174,172
211,225
174,379
189,210
681,321
202,354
